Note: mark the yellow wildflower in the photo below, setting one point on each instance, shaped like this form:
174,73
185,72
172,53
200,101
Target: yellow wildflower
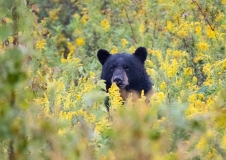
194,80
132,49
224,141
202,143
198,30
53,14
92,74
203,46
171,71
142,28
169,26
210,32
188,71
105,24
124,42
224,64
71,47
114,50
182,33
80,41
115,97
192,98
163,86
206,68
177,54
219,16
40,44
150,51
84,18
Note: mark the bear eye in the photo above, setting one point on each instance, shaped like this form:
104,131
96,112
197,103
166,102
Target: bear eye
126,68
112,68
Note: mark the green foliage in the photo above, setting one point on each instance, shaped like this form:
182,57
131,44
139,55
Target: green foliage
52,100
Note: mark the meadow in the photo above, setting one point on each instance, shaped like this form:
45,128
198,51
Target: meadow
52,98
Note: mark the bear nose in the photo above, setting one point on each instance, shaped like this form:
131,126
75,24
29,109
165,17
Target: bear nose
117,80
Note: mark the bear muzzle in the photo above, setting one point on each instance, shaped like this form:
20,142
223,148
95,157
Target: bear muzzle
120,78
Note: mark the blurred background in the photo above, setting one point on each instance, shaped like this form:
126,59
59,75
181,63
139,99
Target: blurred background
52,98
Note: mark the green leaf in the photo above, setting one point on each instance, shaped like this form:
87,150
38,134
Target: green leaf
5,32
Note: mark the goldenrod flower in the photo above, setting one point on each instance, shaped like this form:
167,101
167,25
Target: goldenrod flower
203,46
169,26
132,49
71,47
198,30
80,41
105,24
84,19
163,86
142,28
224,64
41,44
124,42
188,71
182,33
210,32
53,14
114,50
115,97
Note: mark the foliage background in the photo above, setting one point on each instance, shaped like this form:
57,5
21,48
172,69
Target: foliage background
51,97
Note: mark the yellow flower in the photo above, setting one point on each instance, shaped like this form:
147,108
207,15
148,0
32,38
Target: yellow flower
206,68
203,46
141,28
192,98
80,41
182,33
132,49
92,74
169,26
84,18
210,32
224,141
177,54
194,80
53,14
114,50
202,143
224,64
171,71
40,44
198,30
219,16
163,86
115,97
124,42
105,24
71,47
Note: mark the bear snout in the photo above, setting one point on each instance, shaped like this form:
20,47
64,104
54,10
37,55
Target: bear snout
120,78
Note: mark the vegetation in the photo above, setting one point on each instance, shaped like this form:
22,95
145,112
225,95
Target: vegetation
52,99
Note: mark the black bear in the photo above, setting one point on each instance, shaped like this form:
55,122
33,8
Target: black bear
126,70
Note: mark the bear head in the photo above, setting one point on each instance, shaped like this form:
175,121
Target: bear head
126,70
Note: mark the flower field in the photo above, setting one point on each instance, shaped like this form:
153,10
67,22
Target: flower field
52,98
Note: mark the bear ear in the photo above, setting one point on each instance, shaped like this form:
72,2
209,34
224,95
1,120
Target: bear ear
103,55
141,53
